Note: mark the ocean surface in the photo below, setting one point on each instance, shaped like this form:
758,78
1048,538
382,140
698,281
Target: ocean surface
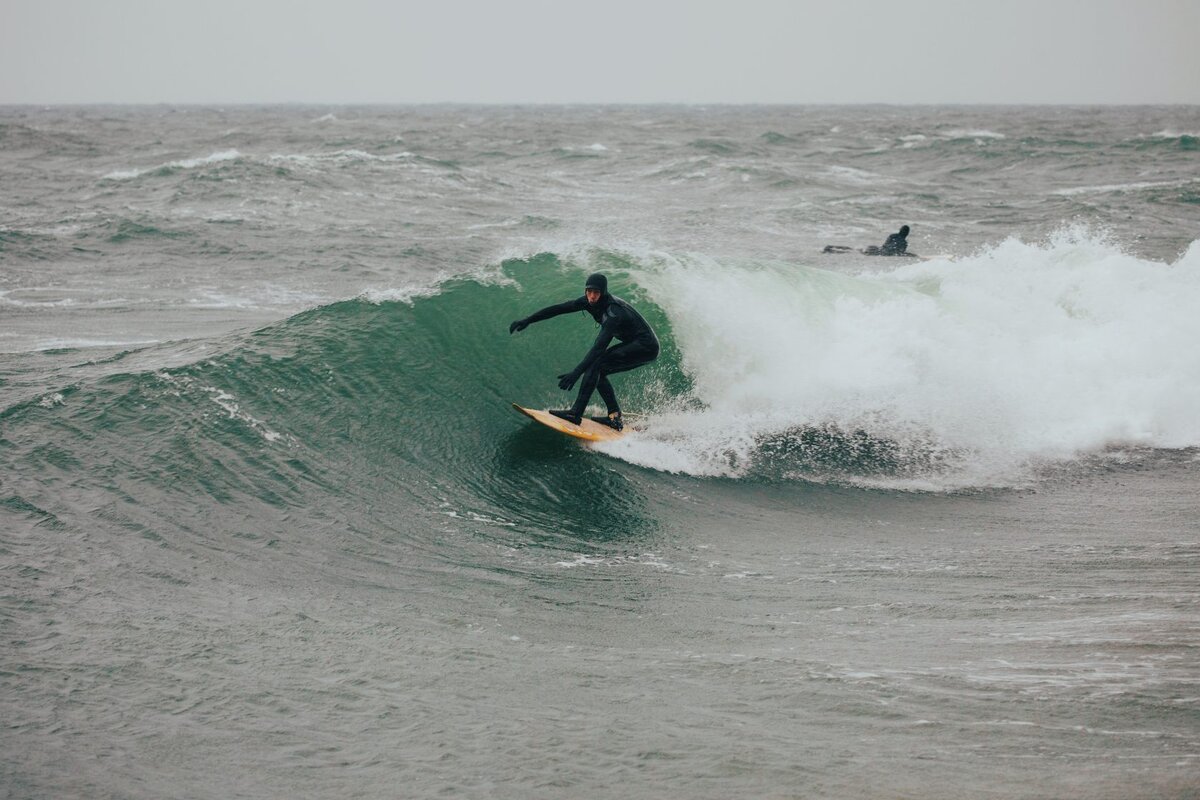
888,527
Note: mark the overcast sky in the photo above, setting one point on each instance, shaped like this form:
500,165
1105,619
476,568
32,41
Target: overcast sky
599,51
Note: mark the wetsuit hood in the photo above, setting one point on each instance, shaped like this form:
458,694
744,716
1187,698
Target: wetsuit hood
597,281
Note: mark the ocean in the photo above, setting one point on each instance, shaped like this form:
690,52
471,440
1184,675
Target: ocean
886,528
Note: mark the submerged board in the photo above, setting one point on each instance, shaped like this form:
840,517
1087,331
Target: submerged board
588,430
837,249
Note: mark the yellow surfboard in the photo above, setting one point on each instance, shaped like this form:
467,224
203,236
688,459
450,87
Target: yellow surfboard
588,430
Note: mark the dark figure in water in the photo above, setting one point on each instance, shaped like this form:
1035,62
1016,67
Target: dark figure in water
618,320
896,245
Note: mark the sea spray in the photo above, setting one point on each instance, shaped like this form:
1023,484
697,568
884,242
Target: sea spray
985,366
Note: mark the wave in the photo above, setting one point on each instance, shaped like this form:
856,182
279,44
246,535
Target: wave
340,156
1185,140
174,166
1120,187
932,376
971,134
857,177
969,372
1169,138
85,344
387,406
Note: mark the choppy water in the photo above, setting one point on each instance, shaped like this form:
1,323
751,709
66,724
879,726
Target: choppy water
894,528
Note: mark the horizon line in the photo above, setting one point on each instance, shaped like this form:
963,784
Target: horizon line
588,104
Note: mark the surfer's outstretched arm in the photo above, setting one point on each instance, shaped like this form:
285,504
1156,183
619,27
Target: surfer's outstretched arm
578,304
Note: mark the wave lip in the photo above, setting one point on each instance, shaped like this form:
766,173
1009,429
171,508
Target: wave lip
188,163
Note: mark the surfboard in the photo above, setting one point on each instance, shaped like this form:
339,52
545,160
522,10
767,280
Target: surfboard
588,430
837,249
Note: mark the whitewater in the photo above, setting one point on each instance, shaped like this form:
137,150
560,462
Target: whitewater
887,527
1012,357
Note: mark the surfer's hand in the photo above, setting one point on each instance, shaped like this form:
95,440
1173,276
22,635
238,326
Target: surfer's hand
567,380
519,325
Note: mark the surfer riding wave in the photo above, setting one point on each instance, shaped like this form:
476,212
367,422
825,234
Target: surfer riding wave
637,346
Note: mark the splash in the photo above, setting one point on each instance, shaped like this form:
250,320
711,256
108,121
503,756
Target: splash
965,372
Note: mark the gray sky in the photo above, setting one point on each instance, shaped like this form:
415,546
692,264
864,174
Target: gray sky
599,51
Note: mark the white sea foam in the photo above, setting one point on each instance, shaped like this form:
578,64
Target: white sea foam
1115,187
192,163
1017,355
189,163
51,297
645,559
339,156
858,177
123,174
403,294
487,276
182,384
972,134
56,301
253,298
80,344
231,406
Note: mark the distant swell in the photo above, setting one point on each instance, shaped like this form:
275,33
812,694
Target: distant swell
187,163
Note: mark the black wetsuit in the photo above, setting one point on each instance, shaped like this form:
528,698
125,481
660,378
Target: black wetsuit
618,320
896,244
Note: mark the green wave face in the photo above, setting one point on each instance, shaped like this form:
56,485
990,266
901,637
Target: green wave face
395,414
371,413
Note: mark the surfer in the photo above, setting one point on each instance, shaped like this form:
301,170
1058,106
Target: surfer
896,245
618,320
